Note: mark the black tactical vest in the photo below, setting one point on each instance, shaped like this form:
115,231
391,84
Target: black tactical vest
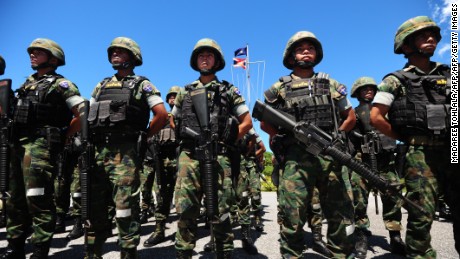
309,100
422,106
37,107
219,109
116,108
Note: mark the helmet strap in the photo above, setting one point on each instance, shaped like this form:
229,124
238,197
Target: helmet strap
123,65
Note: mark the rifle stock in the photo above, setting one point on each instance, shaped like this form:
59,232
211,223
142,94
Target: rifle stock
319,143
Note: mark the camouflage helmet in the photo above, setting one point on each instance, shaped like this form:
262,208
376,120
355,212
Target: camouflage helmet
361,82
50,46
173,90
410,27
299,36
2,65
209,44
128,44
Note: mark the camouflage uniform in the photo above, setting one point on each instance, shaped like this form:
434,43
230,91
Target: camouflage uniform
165,181
428,154
118,117
147,179
303,171
371,144
189,190
42,112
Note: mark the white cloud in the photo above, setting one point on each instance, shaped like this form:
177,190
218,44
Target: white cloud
443,48
441,14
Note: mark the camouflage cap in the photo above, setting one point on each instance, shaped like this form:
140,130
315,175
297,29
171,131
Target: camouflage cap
211,44
128,44
2,65
173,90
300,36
50,46
361,82
412,26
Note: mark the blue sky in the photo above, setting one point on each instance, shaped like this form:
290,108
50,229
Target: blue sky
357,36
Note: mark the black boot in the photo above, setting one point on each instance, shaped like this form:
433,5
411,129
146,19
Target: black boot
184,254
158,236
224,255
14,250
248,244
397,244
319,245
360,244
258,223
41,250
77,230
209,247
144,217
60,224
128,253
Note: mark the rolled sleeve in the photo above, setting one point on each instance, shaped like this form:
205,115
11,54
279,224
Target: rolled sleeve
154,100
74,100
176,111
384,98
240,109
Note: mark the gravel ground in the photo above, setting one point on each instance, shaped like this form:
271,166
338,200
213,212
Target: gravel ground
266,242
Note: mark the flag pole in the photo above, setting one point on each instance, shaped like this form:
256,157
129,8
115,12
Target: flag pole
248,81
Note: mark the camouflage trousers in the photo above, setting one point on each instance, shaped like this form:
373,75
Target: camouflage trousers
422,166
189,193
248,191
115,188
302,172
31,188
315,213
391,205
75,191
147,179
63,185
164,191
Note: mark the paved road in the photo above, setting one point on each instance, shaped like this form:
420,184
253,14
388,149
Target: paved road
267,242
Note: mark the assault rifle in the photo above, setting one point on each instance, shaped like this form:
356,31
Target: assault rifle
206,154
85,164
5,126
319,143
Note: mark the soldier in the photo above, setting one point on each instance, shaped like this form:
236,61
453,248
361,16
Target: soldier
75,189
417,102
147,179
314,98
378,152
43,113
118,119
166,144
224,101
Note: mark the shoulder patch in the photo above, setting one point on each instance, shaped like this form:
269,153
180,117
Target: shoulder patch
237,91
148,88
342,89
64,84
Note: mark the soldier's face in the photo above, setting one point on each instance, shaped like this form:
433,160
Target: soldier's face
206,60
119,56
367,92
171,99
305,51
426,41
38,57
